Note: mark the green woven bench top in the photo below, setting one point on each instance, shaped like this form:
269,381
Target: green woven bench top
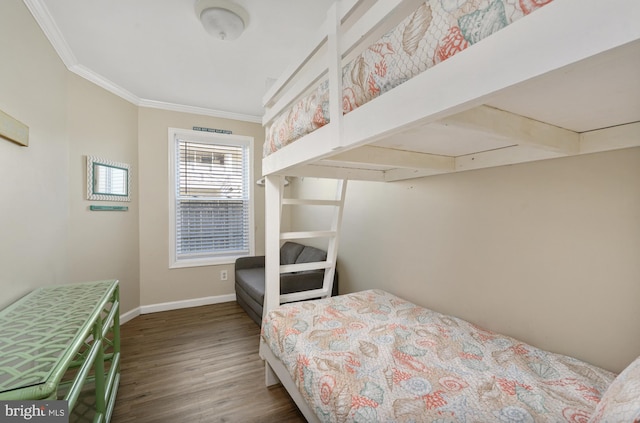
42,332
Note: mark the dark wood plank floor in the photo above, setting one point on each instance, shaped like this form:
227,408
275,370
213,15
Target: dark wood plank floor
198,364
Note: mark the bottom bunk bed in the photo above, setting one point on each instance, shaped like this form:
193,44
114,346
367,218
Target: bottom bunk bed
373,357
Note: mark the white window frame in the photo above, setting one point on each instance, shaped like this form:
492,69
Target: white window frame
206,137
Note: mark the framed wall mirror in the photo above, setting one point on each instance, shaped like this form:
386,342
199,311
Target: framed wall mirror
108,180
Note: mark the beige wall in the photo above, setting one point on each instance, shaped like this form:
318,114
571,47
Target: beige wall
102,245
546,251
158,283
34,199
48,235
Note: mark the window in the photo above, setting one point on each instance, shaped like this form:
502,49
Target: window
211,218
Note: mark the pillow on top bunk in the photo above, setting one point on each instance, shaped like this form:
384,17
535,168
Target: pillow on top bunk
621,401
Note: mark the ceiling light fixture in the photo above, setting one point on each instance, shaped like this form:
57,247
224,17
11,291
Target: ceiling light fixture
222,19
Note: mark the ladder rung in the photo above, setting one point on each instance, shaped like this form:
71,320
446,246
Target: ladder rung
301,267
308,234
305,202
303,295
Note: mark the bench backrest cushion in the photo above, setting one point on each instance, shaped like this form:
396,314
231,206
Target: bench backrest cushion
311,255
289,252
292,252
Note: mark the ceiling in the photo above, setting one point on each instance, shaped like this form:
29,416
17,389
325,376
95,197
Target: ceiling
156,53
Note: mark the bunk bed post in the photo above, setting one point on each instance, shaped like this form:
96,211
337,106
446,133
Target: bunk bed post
335,75
335,116
274,185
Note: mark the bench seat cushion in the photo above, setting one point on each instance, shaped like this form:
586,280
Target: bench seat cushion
250,277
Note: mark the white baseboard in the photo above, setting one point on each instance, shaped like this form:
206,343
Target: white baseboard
195,302
175,305
124,318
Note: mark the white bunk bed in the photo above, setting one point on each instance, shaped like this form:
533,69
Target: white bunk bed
561,81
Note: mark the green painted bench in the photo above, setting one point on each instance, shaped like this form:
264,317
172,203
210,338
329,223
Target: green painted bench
60,341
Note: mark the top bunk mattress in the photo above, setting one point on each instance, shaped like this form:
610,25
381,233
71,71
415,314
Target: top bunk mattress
435,31
371,356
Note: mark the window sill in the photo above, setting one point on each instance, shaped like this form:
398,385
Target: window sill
185,263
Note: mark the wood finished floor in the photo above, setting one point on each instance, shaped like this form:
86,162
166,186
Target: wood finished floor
198,364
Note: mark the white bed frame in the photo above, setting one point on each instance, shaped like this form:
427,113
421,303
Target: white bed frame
562,81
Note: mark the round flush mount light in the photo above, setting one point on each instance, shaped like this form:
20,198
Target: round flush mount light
224,20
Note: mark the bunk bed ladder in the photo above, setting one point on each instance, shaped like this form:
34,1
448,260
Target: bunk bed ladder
274,186
329,265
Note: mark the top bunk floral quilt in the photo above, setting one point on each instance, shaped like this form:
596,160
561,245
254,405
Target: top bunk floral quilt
435,31
371,356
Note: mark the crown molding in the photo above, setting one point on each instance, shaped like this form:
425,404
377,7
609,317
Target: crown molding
46,22
105,83
199,111
38,9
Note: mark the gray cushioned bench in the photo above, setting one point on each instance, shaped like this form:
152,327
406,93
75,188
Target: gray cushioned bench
249,275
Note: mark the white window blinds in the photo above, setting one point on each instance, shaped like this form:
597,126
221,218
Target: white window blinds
212,199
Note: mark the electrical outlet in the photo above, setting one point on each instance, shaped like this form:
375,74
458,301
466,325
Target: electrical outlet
223,275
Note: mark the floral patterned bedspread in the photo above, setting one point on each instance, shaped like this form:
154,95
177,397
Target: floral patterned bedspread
373,357
435,31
